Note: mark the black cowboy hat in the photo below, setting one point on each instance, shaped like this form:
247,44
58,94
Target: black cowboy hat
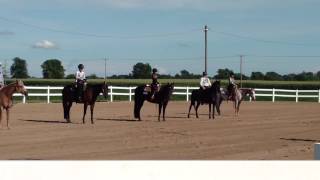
80,66
204,74
154,70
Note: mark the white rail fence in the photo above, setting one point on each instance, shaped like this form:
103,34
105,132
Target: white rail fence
180,91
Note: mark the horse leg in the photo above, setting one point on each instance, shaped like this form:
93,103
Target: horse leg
213,107
198,104
238,108
7,109
0,116
160,107
91,109
138,103
209,110
235,107
190,109
164,110
85,105
66,109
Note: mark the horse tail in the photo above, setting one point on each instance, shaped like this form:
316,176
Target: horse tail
138,101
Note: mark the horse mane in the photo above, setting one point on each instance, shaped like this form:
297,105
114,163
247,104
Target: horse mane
10,85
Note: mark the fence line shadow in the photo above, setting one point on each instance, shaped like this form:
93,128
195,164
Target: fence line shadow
45,121
117,119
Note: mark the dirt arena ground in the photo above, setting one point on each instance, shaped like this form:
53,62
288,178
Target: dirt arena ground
264,130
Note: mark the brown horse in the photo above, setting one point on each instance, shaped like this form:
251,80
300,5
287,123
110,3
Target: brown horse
90,95
238,96
6,96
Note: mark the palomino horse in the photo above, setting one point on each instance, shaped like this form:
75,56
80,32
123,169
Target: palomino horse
6,96
90,95
211,96
162,98
238,96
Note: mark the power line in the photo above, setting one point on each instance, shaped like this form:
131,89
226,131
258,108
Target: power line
262,40
98,35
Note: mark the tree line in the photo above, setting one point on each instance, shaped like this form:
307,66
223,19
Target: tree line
53,69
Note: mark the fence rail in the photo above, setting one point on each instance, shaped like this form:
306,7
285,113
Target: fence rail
179,91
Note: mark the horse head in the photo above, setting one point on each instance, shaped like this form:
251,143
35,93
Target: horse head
20,88
215,86
252,94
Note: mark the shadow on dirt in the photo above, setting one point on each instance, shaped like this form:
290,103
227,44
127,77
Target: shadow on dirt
296,139
44,121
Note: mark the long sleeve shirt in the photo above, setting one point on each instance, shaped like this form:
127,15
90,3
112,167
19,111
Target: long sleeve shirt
232,81
80,75
205,82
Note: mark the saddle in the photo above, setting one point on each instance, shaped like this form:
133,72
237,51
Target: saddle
150,89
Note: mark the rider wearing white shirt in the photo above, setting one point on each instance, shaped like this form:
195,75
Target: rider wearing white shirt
231,86
205,81
80,81
1,77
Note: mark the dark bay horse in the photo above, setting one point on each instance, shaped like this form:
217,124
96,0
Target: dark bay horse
6,96
211,96
239,95
161,98
90,95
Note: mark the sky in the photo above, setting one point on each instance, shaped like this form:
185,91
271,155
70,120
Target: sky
273,35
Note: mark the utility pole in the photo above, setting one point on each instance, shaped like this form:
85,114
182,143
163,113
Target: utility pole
241,56
105,69
205,48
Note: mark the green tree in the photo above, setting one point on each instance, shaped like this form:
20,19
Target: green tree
19,68
70,76
223,73
273,76
93,76
52,69
257,76
141,70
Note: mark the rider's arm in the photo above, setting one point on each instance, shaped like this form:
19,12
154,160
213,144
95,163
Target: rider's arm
209,82
201,82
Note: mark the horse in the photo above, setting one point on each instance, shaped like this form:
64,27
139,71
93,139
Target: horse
238,96
69,95
161,98
211,96
6,97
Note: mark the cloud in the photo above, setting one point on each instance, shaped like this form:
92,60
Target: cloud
45,44
6,33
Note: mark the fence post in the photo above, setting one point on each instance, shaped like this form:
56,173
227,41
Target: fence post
273,94
187,93
111,94
297,95
317,151
319,96
48,95
130,94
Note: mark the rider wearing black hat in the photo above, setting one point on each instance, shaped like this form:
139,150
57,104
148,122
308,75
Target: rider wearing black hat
155,84
232,85
80,82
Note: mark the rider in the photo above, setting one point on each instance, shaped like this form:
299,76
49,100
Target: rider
205,81
1,77
232,85
155,84
81,81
